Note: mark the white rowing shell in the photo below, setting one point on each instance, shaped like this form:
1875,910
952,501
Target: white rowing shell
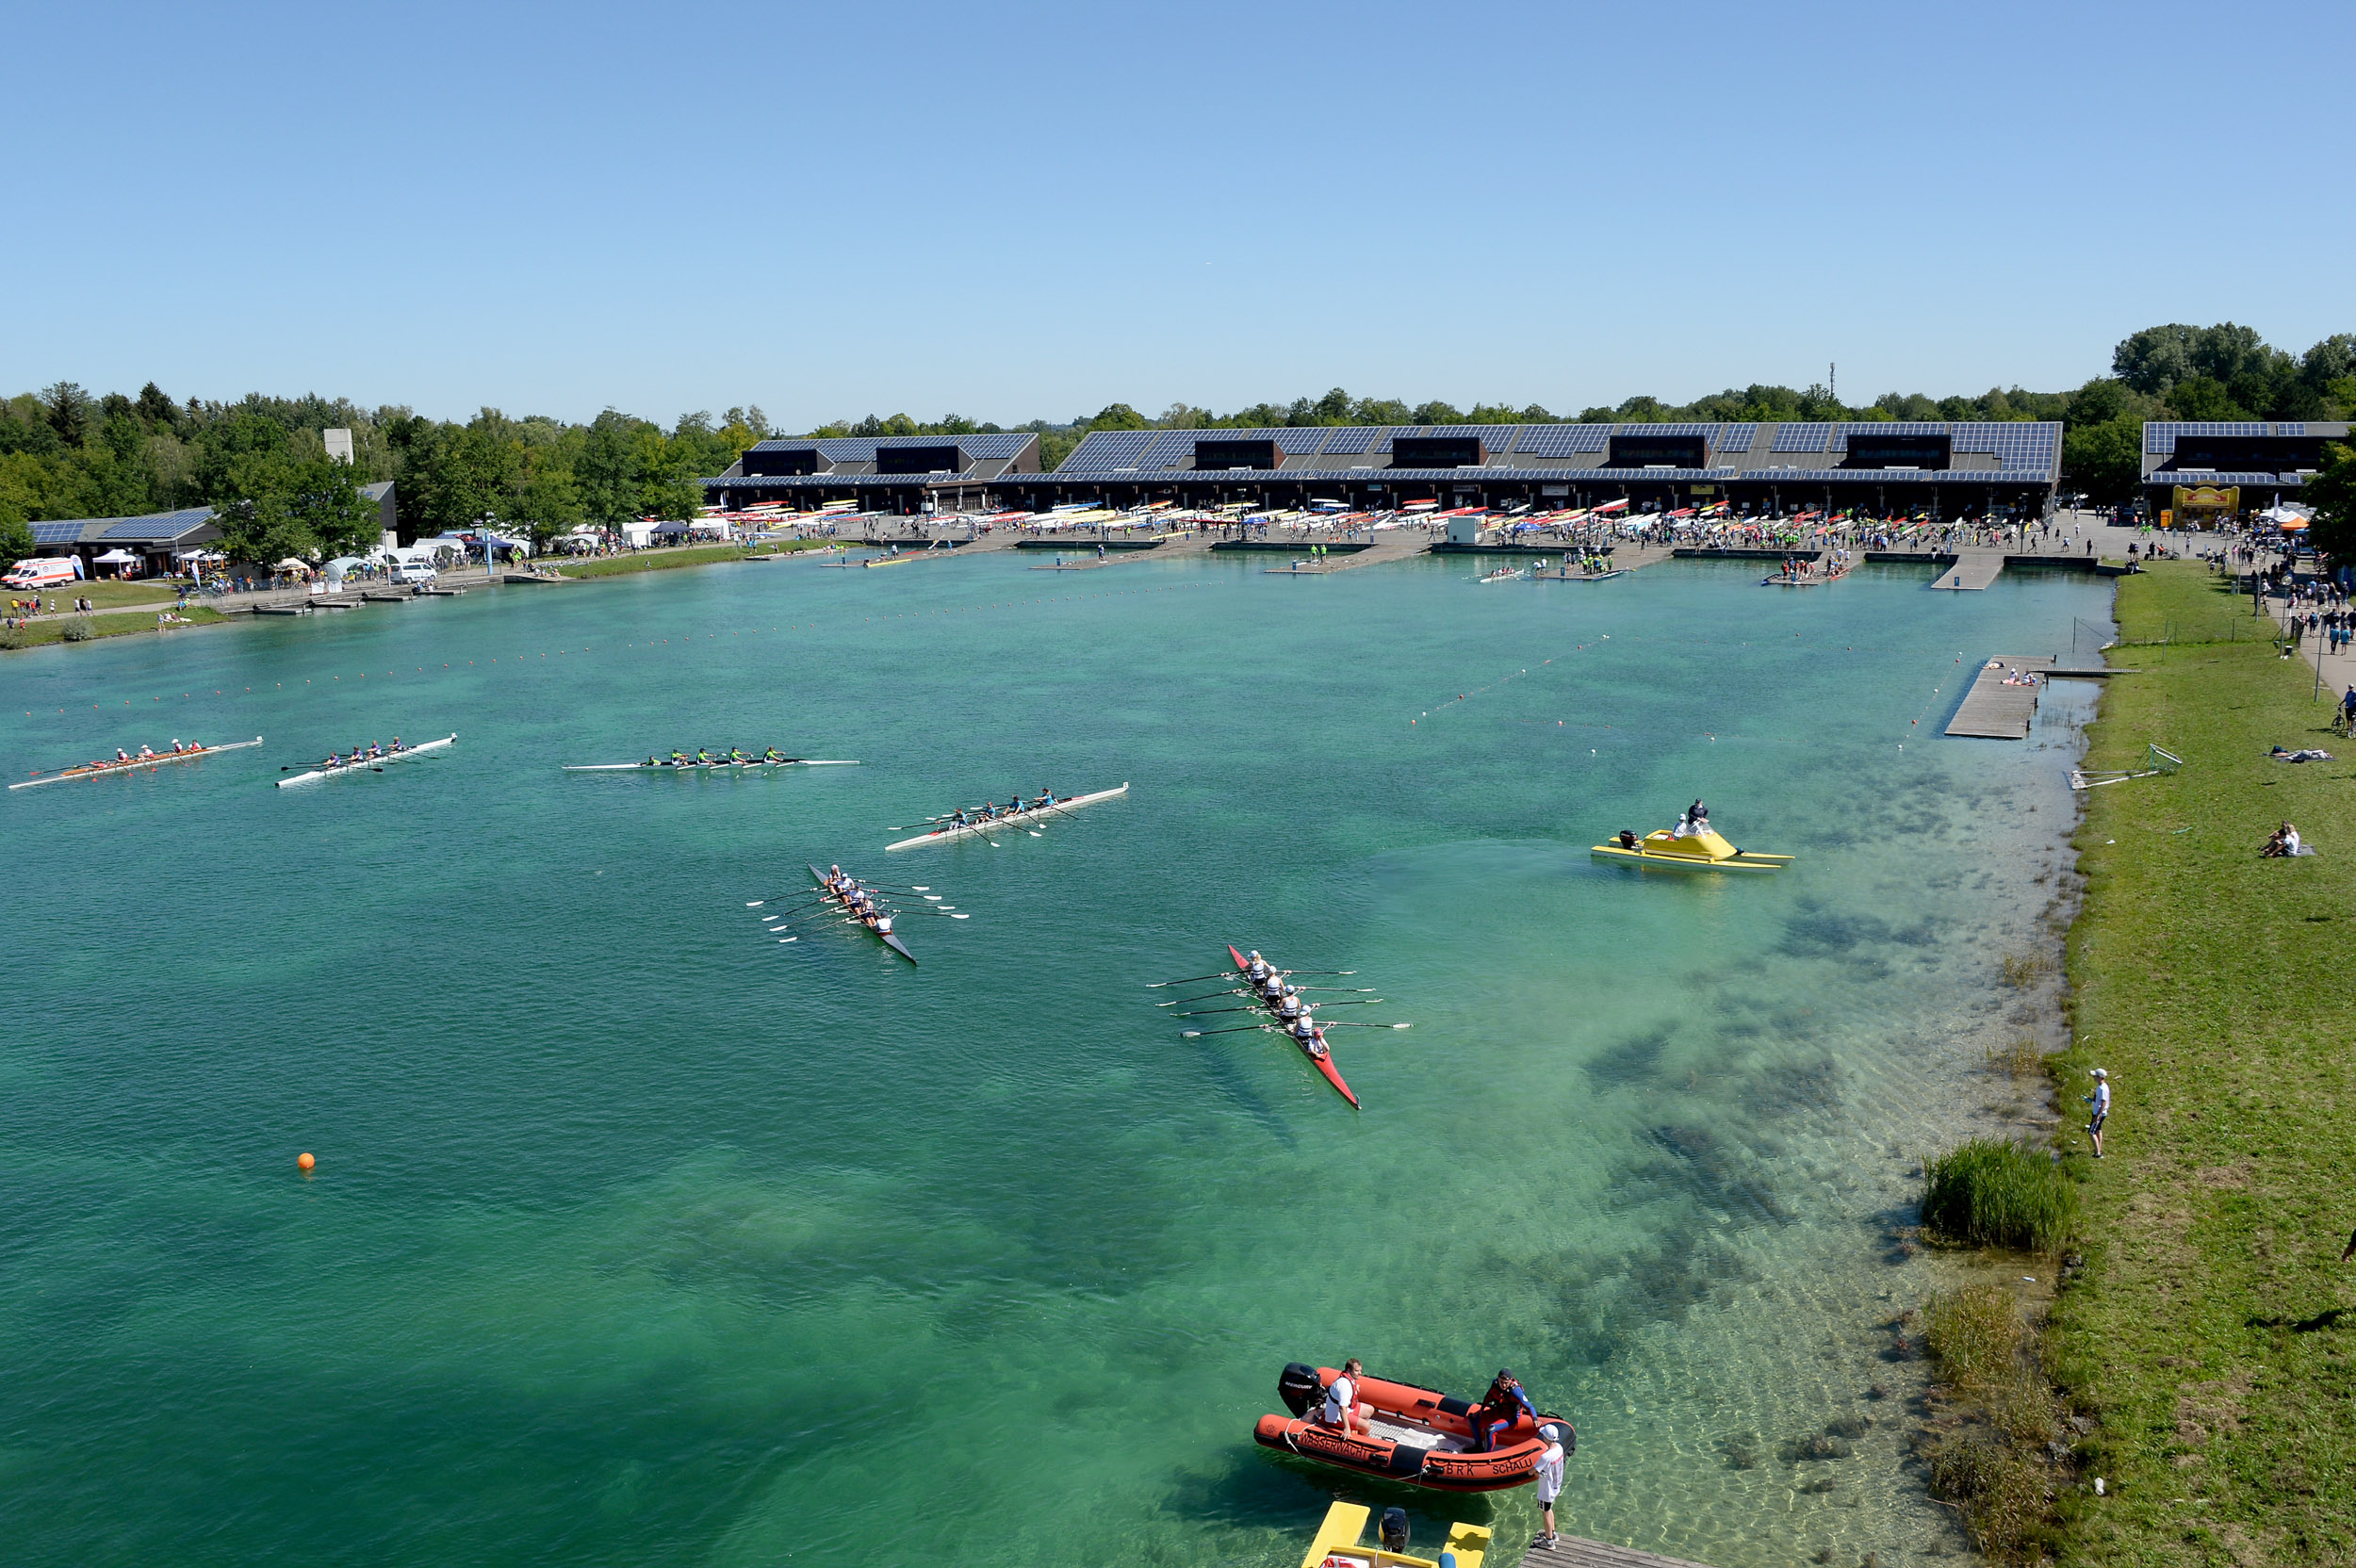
368,763
943,834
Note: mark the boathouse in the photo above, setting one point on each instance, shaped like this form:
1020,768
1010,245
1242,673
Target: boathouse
2197,469
1942,470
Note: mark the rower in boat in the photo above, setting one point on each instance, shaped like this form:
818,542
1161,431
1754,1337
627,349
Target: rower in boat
1255,968
398,747
678,757
146,752
736,754
774,755
121,756
703,758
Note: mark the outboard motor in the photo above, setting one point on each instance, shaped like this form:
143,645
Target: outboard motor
1395,1530
1299,1388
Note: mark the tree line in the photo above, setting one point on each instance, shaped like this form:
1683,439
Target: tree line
261,465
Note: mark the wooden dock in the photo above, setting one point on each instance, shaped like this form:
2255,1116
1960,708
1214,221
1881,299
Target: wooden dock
1992,711
1572,1552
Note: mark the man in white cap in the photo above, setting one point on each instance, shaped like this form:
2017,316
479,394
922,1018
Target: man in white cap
2100,1100
1550,1478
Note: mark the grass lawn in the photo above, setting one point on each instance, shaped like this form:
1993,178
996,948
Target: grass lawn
2212,1331
51,629
680,555
107,595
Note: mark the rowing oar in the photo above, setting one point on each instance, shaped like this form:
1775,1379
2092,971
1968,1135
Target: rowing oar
1158,984
1232,1029
1342,988
1183,1001
1344,1023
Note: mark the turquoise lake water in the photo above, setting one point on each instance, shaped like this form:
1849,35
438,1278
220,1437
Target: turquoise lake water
637,1237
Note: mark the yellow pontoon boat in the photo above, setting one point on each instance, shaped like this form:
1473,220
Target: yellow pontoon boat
1702,851
1335,1544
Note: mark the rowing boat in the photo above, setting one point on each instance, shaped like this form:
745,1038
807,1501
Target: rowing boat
949,830
92,769
1324,1063
715,762
881,926
364,765
1503,574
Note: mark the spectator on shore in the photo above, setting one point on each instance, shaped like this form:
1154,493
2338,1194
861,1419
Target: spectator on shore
2100,1100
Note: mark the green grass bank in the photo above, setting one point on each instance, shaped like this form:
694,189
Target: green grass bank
663,560
2212,1328
54,628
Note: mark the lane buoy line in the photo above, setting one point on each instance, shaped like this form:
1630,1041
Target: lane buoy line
517,659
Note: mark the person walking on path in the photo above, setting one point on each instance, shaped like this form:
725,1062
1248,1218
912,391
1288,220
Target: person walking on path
2100,1100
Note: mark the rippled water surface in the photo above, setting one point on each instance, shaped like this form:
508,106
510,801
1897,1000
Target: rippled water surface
638,1237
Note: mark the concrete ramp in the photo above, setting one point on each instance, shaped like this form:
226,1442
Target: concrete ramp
1973,569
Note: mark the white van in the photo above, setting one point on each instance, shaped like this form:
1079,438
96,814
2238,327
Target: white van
46,572
413,572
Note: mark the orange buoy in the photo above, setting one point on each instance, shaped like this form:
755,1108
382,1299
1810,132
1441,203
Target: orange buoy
304,1161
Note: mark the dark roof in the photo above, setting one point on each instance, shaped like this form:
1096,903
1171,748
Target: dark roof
1981,451
157,528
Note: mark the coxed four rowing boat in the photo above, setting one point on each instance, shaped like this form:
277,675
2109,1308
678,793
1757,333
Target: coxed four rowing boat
879,924
92,769
364,763
949,830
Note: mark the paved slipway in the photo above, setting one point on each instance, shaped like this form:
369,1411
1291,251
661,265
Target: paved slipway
637,1236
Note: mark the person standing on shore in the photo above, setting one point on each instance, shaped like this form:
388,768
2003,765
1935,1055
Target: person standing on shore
2100,1100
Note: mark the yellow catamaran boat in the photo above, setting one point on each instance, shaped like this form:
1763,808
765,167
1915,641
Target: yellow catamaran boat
1335,1544
1702,851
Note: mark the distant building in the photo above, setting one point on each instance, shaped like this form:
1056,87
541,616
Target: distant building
338,444
1949,470
155,539
2223,467
882,473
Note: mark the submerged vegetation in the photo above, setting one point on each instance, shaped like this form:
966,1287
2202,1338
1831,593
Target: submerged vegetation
1989,1192
1992,1443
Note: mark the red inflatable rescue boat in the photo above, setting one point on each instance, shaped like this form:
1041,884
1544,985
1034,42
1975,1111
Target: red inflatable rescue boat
1413,1435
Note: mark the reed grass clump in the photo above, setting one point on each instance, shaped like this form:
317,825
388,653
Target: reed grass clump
1993,1457
77,631
2022,969
2018,1056
1987,1192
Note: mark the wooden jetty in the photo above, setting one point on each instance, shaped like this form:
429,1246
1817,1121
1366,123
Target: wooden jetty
1993,711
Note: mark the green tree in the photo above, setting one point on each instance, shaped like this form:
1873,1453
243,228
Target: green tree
2333,493
2205,397
16,539
2104,460
1119,417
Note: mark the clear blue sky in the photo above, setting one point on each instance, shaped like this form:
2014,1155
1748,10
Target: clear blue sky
1015,212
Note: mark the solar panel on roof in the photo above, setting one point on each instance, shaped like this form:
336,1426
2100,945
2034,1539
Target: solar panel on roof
1735,438
1352,440
1799,438
1303,441
56,533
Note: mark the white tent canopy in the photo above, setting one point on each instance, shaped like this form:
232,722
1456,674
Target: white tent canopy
117,557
